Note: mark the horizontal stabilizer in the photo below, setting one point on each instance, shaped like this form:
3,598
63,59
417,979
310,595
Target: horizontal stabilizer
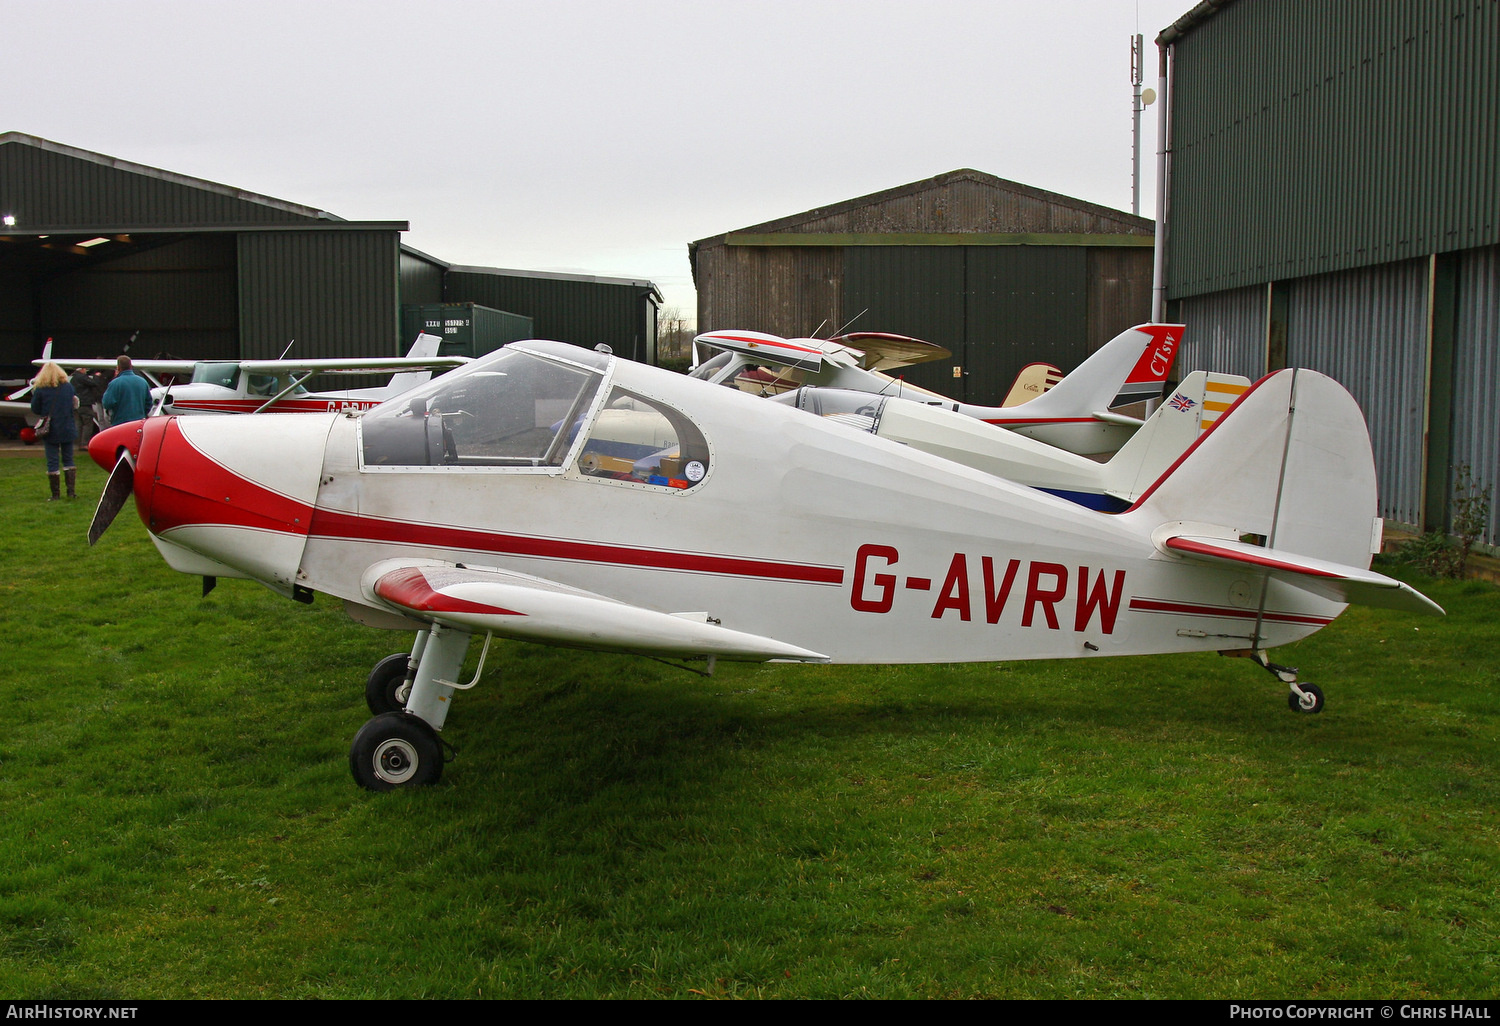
516,605
1346,584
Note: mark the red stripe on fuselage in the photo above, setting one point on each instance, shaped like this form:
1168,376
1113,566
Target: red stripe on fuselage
329,405
1018,422
184,487
352,527
1146,605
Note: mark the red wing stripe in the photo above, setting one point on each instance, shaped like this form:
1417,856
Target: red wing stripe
769,343
409,588
1202,548
1148,605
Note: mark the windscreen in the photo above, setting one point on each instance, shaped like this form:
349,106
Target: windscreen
512,409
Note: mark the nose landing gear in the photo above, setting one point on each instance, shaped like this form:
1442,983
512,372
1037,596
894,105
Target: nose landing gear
409,695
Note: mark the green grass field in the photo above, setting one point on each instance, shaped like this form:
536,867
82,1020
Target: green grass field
178,819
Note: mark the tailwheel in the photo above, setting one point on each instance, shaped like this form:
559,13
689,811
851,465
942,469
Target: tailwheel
1310,701
389,684
396,749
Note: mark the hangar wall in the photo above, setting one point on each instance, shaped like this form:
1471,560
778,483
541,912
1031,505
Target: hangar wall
105,253
1000,273
334,292
1332,205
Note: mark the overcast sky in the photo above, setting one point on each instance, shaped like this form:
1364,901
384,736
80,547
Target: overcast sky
589,136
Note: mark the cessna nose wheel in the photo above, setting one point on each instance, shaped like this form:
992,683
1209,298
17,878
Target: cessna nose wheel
394,750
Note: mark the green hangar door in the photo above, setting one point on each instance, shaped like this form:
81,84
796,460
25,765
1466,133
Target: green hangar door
997,308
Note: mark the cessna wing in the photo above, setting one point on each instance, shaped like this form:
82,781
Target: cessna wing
517,605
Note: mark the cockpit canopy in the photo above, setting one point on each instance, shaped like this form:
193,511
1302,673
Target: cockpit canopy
527,406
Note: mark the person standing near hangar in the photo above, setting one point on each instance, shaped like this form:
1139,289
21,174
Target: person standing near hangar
53,399
128,396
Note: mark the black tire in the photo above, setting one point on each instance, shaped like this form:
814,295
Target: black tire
396,750
1311,689
385,689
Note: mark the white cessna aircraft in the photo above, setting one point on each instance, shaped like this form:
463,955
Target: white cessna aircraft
1074,414
255,386
560,495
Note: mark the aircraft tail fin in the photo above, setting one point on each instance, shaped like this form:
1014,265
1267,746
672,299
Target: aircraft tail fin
1131,367
1192,408
1283,486
424,347
1031,381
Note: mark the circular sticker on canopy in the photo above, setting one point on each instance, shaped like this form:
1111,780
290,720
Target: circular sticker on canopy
693,471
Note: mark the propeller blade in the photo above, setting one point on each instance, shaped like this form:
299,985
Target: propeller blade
116,492
18,393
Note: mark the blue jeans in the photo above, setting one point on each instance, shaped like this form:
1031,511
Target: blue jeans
56,449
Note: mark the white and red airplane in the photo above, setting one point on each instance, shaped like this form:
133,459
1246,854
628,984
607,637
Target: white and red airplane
1074,414
560,495
1110,485
256,386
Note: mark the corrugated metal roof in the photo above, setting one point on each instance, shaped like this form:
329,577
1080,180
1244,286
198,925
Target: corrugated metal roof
640,283
172,177
959,201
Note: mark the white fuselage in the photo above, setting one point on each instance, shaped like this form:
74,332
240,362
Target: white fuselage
804,531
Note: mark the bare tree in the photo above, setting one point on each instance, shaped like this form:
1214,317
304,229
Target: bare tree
674,335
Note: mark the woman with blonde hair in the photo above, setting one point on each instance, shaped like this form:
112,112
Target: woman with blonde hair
53,399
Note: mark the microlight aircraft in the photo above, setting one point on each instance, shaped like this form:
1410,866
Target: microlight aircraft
257,386
560,495
1075,414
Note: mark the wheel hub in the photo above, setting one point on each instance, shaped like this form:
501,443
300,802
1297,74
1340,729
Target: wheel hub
395,761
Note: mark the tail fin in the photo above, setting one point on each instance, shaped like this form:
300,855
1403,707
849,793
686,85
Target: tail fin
1192,408
1283,486
425,346
1129,368
1031,381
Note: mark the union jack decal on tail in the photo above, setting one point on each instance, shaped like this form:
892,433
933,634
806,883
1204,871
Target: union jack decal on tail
1181,403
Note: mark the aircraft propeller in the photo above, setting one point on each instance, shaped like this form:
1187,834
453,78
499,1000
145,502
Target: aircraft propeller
116,491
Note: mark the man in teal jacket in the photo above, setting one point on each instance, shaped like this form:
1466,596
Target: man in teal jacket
128,396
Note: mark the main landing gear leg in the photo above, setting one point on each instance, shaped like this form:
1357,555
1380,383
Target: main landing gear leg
1306,698
400,748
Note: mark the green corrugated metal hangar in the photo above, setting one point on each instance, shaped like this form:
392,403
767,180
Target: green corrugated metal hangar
99,253
1000,273
1331,202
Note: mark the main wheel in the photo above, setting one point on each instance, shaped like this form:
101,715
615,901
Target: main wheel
386,689
1312,703
395,749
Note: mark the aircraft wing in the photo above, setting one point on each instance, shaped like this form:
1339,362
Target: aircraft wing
884,351
804,354
353,365
156,367
517,605
1346,584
